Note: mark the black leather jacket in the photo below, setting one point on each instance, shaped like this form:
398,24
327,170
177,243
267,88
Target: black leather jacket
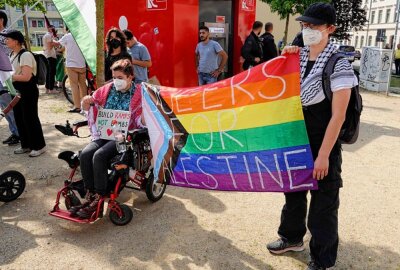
251,49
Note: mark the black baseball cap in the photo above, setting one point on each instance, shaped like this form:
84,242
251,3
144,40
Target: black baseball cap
14,34
319,13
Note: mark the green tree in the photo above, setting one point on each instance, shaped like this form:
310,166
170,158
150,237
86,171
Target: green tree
23,4
349,16
100,42
286,8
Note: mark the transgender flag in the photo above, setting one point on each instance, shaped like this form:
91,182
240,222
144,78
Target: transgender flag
246,133
80,17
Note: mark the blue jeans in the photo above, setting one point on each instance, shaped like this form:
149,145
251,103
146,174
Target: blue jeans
206,78
5,99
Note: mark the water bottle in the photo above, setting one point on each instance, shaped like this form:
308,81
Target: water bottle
119,139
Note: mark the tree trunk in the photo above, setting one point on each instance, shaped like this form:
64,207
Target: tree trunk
285,36
100,42
27,37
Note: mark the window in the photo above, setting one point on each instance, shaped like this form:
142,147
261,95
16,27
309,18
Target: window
362,42
37,23
57,23
380,16
356,42
394,16
372,17
387,15
369,40
376,43
20,23
50,6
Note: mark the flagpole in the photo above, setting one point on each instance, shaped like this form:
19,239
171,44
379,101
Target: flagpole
27,10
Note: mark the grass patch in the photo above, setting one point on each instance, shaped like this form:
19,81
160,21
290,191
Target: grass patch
395,81
35,49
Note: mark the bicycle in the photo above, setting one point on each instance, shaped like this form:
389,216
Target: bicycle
90,83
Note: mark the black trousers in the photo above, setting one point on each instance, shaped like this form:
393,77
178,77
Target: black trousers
322,223
51,73
94,161
397,64
27,117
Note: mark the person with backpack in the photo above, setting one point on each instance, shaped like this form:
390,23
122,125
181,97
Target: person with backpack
324,119
25,82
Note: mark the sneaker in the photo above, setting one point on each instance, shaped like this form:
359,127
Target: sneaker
10,139
313,266
281,246
21,150
89,197
36,153
89,210
14,140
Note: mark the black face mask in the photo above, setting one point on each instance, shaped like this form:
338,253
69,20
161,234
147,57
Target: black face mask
115,43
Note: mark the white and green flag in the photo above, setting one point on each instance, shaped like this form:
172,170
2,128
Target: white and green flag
80,17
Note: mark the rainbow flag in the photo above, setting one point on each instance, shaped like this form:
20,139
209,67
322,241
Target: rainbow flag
245,133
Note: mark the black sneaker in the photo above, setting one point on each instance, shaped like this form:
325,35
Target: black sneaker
14,141
281,246
313,266
11,139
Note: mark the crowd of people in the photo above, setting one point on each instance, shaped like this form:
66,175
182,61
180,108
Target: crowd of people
126,64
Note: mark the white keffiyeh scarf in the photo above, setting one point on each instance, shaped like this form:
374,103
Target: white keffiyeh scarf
311,86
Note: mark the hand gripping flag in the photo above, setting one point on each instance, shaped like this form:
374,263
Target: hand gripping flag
246,133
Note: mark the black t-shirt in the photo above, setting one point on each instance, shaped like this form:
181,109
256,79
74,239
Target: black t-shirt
310,65
110,60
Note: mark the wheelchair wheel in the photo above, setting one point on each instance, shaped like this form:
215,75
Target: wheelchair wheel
154,191
12,184
126,217
71,200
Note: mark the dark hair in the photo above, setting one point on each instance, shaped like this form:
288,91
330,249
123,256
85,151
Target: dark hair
203,27
268,26
3,16
123,65
257,24
50,26
66,28
128,33
119,35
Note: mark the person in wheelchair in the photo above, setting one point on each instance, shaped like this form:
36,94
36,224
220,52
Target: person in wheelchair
121,94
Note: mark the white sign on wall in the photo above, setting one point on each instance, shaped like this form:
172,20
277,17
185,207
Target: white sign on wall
157,4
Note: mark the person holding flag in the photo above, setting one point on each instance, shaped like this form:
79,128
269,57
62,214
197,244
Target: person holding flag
5,75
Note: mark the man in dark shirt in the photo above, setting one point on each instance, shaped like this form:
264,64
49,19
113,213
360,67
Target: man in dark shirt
252,48
269,48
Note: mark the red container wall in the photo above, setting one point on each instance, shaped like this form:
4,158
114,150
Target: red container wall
169,29
244,17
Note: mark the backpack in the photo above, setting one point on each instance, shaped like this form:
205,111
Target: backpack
42,65
350,129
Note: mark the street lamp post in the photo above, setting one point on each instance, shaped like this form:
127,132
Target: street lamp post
369,21
394,45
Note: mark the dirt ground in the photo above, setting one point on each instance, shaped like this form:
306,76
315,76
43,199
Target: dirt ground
197,229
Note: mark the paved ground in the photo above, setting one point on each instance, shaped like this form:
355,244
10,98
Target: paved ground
196,229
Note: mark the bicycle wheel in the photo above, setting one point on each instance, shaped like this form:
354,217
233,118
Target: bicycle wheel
66,88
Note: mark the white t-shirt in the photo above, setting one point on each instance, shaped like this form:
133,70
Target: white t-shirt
74,57
27,59
48,50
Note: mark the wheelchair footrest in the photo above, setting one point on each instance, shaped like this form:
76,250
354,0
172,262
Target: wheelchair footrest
66,215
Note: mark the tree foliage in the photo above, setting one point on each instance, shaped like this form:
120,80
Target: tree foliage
23,3
349,16
287,8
